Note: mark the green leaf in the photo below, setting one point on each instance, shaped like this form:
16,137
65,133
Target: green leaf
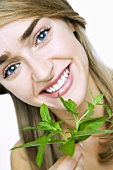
97,99
91,94
38,141
81,138
40,154
107,109
46,126
89,133
44,112
56,125
54,140
29,128
89,113
91,123
41,149
68,148
69,105
29,144
90,106
72,131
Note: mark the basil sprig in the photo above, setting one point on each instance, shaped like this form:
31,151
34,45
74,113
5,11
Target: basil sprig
84,127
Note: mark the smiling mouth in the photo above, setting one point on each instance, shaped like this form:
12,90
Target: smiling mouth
60,83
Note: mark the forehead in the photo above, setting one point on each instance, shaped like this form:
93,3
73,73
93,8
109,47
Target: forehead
15,23
12,32
14,27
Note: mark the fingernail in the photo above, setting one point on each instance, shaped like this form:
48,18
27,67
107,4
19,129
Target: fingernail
81,144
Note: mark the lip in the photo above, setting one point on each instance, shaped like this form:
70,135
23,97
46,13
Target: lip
63,89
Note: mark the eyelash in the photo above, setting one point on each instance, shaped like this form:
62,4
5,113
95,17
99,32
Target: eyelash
42,31
5,73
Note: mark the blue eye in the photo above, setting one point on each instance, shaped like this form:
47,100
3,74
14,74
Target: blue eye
41,36
10,69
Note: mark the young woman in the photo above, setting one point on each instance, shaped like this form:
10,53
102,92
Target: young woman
45,51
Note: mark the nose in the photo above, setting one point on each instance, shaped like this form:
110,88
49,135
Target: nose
41,71
40,65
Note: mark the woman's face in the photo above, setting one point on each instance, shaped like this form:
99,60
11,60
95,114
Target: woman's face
41,59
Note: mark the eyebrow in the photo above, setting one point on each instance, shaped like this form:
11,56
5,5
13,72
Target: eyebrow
26,34
29,30
3,58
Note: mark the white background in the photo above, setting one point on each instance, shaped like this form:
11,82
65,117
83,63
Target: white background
98,14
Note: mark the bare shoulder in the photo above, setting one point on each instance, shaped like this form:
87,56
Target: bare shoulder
19,159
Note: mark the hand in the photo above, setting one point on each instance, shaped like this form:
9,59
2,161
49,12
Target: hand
76,162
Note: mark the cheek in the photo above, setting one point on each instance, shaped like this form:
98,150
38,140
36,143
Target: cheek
21,92
21,88
60,49
79,55
24,95
61,43
65,44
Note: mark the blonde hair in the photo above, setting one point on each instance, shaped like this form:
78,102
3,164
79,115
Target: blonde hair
11,10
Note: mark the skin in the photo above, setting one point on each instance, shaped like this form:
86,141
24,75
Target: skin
38,74
37,63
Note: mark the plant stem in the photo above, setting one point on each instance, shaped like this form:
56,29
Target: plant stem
64,137
77,123
83,115
91,95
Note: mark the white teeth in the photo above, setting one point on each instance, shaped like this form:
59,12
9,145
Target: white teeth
67,71
56,87
48,90
63,78
60,82
65,74
51,88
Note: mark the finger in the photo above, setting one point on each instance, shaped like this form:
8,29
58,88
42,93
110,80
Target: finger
80,164
71,162
67,162
57,163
